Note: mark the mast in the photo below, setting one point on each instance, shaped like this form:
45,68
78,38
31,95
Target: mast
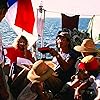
90,26
40,23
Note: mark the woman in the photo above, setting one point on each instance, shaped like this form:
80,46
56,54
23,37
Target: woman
17,77
19,50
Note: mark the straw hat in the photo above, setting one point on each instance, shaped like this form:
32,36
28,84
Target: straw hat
87,46
41,71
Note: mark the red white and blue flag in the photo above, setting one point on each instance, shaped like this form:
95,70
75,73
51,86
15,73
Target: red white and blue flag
21,17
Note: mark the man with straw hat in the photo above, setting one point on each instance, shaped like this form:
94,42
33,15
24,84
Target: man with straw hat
40,71
87,49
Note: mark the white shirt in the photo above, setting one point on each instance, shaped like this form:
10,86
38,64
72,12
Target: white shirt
65,56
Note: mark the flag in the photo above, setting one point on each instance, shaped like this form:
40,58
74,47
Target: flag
70,22
94,27
90,26
40,26
21,17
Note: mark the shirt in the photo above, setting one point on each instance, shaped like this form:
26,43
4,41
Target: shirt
13,53
65,76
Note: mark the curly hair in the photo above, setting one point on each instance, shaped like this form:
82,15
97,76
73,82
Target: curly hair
24,38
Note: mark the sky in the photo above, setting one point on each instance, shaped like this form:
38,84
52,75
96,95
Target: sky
72,7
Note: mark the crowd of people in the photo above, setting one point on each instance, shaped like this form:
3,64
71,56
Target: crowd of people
73,73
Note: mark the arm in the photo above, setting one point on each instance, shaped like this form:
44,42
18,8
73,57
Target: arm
63,63
75,83
97,81
81,87
77,94
98,94
28,55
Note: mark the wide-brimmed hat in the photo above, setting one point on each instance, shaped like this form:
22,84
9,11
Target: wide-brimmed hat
40,71
87,46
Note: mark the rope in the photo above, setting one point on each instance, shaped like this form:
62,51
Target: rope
71,13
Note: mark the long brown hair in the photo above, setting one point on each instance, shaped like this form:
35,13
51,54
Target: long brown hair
24,38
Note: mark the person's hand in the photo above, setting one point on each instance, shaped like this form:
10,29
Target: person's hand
55,74
98,94
77,95
53,52
97,98
25,47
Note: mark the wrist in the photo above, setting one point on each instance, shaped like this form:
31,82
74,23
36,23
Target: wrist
57,56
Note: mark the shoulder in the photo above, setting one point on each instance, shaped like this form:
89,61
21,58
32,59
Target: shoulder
74,54
10,48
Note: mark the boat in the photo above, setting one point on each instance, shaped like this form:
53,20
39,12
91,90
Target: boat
75,34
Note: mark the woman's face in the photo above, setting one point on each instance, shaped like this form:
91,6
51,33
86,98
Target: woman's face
22,44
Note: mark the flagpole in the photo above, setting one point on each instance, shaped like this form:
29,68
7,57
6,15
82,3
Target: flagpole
42,17
90,26
41,12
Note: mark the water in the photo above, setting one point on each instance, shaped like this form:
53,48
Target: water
52,26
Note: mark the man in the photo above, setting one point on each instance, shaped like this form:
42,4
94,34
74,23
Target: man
3,86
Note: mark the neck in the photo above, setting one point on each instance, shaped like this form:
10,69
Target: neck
64,50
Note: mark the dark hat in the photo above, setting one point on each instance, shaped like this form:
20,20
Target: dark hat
64,34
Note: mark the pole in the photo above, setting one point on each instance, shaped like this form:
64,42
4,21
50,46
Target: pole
92,25
40,24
